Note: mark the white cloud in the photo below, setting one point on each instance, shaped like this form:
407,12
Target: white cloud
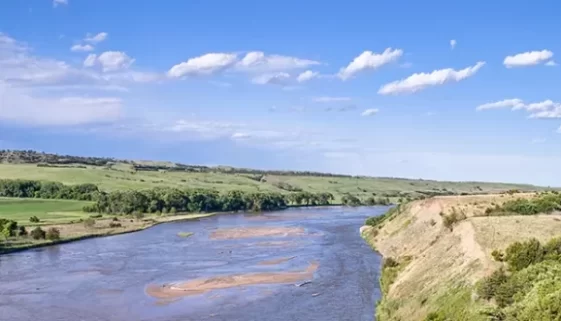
370,112
307,75
551,63
96,38
257,61
420,81
507,103
203,65
554,112
90,60
240,136
369,60
540,110
19,105
114,60
529,58
78,48
57,3
453,44
329,99
280,78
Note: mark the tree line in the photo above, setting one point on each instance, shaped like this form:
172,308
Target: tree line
45,189
173,200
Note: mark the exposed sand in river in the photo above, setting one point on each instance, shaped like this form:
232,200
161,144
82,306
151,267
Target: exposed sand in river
276,261
200,286
248,232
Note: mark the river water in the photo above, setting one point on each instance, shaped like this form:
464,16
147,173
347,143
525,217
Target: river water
106,279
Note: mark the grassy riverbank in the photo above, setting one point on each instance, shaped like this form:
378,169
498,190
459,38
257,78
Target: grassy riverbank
78,231
437,251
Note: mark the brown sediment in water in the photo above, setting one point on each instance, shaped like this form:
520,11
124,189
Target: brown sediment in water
277,243
276,261
200,286
248,232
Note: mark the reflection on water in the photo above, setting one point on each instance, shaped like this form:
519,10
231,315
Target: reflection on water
108,278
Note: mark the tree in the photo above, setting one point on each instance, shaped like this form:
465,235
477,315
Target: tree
53,234
38,233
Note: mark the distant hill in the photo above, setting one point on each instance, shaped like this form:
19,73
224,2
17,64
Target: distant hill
117,174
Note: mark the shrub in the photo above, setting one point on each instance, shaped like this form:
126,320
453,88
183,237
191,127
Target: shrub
37,234
114,225
451,219
89,223
139,215
34,219
22,231
115,219
435,316
521,255
498,255
53,234
96,216
487,288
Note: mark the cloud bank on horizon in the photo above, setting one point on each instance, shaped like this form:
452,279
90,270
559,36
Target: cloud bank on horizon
300,92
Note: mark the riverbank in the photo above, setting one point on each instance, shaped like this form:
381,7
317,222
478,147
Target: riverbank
432,263
71,232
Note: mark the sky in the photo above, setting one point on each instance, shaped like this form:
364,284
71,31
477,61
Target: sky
418,89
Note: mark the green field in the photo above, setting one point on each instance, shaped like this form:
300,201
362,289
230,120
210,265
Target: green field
124,177
48,211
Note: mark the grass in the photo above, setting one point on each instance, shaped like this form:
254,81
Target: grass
122,177
48,211
77,231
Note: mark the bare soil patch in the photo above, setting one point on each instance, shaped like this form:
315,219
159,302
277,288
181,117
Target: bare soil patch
200,286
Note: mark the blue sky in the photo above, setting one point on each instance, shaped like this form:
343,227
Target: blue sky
432,89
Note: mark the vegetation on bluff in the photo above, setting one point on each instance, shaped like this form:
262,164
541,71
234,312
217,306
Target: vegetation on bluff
529,289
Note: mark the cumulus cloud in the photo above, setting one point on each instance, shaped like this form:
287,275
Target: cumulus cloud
420,81
507,103
453,44
280,78
530,58
307,75
57,3
551,63
90,60
96,38
79,48
330,99
369,60
206,64
258,61
539,110
370,112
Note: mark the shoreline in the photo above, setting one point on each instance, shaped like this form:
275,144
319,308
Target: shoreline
150,221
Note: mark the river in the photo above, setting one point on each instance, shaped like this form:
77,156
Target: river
107,279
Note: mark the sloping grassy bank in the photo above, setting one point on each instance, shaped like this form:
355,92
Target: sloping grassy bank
437,253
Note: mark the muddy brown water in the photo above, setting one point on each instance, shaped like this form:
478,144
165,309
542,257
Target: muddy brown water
108,279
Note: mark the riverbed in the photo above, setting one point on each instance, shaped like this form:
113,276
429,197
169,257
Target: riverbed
296,264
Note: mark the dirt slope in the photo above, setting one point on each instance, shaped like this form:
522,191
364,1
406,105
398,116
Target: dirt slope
446,263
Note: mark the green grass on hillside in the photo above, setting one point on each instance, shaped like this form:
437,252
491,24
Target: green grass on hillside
48,211
123,177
